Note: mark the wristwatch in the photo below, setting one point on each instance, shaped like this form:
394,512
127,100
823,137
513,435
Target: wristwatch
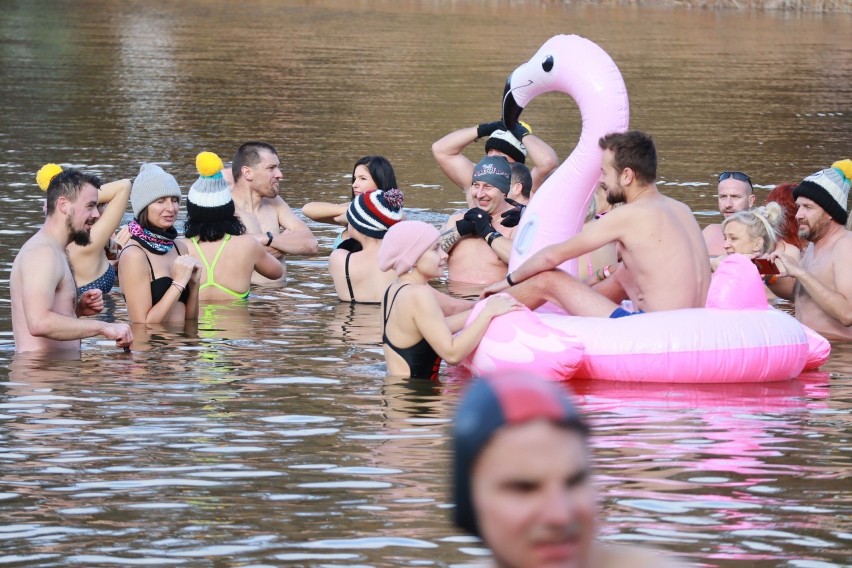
269,234
490,238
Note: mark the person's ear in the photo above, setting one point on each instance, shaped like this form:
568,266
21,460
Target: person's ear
62,205
758,244
247,173
751,201
626,177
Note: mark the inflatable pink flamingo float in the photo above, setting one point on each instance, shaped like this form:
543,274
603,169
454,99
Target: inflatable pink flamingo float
736,338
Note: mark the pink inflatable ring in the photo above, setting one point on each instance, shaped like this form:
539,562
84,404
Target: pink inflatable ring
737,337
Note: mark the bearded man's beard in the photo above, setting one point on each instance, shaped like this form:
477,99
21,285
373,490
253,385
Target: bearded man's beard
80,238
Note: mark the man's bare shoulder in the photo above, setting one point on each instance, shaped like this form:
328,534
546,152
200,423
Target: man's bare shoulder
40,250
843,247
276,202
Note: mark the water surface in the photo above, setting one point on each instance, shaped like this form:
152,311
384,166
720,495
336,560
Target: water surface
270,435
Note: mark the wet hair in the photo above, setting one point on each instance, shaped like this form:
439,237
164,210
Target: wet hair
783,195
521,174
210,230
761,222
380,170
248,155
634,150
68,184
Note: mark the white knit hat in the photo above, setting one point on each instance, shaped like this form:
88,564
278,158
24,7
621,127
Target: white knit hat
151,184
209,198
505,142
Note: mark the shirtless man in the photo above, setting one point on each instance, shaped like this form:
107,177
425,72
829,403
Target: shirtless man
45,306
515,146
266,216
821,283
479,251
735,194
664,265
523,482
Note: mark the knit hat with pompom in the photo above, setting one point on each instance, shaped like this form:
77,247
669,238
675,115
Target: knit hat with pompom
209,198
829,189
374,212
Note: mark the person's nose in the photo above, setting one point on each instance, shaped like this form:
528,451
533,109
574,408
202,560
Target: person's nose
556,509
278,175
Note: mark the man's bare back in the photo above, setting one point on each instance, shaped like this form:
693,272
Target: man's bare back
664,259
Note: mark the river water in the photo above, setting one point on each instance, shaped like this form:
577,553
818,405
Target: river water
270,435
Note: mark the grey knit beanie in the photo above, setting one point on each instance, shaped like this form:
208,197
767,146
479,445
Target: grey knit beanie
151,184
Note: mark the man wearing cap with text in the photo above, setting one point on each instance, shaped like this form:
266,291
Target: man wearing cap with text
515,146
522,479
479,250
821,283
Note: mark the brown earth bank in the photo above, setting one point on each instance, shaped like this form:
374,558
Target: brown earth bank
810,6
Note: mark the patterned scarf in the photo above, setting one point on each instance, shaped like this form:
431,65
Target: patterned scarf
158,241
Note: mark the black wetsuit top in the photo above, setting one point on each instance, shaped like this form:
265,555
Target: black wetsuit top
422,360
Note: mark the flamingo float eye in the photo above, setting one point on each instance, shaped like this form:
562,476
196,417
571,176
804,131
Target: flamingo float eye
547,64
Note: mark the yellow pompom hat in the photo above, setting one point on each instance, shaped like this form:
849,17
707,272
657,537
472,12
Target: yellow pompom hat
209,198
829,188
46,173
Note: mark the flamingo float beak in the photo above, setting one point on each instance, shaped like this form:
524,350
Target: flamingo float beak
511,109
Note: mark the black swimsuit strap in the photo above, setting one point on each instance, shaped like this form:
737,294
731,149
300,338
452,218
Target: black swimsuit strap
387,308
349,280
127,246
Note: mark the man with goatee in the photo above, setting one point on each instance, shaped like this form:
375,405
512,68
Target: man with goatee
45,306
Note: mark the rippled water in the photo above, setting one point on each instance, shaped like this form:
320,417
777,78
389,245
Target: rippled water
270,435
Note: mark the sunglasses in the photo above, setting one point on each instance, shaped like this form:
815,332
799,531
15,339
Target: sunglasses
737,176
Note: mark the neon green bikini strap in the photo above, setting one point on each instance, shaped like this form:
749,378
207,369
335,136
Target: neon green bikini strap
210,266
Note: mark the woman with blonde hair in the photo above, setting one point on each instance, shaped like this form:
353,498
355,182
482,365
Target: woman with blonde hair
753,232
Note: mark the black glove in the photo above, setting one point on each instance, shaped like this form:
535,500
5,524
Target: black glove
512,217
488,128
520,130
465,227
481,221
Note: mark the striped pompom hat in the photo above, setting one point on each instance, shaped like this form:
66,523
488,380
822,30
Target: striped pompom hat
374,212
209,198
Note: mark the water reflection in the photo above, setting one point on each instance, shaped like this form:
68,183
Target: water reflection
270,434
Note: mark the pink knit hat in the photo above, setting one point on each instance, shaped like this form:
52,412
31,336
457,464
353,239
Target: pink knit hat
404,244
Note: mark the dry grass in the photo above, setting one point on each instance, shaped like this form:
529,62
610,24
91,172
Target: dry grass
811,6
